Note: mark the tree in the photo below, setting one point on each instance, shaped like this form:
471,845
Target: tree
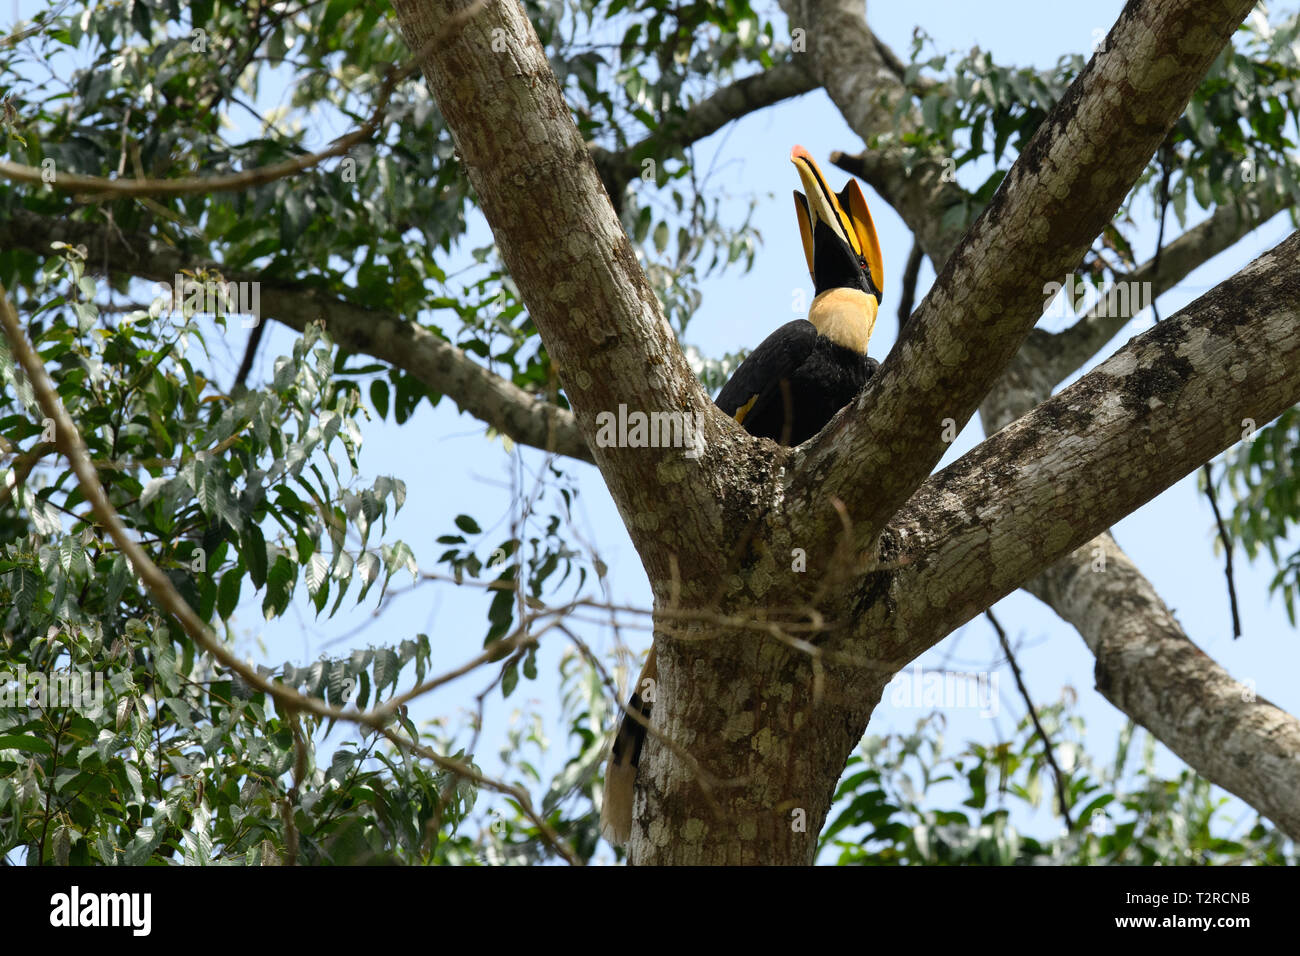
785,596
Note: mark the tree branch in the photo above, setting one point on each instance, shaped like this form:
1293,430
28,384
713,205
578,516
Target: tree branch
1046,359
98,187
1057,197
575,267
747,95
438,364
911,272
1149,669
1226,541
1071,348
1160,407
1058,777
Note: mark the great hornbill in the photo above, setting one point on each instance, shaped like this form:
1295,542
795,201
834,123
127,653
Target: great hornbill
787,390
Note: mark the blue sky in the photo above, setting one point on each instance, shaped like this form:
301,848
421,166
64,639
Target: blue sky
450,468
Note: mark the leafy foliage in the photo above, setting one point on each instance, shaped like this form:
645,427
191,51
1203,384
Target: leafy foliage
1261,474
897,785
1237,129
119,743
165,758
368,227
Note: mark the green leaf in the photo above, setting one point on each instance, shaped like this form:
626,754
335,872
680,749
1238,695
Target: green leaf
501,614
25,585
661,236
253,550
368,566
1204,196
228,592
379,396
316,572
386,669
333,14
279,587
25,743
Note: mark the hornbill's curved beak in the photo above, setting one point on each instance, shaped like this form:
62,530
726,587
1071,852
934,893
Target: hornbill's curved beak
839,238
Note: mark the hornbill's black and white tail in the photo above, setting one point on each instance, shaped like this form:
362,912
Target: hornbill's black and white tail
624,757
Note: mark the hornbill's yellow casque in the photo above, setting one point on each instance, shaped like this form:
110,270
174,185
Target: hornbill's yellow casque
787,390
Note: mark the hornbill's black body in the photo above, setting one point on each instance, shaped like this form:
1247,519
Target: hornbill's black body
786,390
807,370
797,380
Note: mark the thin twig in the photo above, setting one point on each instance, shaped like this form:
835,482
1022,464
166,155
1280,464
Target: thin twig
1227,551
911,272
1165,158
1033,715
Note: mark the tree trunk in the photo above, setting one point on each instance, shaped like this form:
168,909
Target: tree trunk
770,734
